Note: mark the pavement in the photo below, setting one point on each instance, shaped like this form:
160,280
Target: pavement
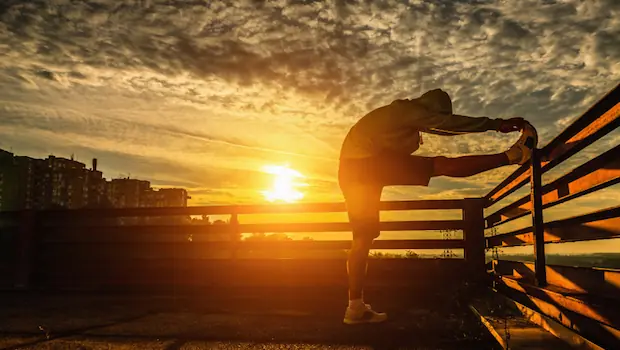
231,320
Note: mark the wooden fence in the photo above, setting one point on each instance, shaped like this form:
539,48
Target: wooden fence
96,249
587,300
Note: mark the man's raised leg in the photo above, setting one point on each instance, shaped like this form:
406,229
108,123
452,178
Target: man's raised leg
468,165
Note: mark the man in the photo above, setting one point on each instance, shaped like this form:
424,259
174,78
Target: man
377,152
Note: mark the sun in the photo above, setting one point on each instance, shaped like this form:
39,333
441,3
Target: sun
285,184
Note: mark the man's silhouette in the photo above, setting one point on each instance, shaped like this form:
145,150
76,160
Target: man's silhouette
377,152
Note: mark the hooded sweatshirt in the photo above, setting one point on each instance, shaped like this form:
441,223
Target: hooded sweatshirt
395,128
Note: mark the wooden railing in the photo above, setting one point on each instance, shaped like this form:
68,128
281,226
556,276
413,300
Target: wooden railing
99,246
586,300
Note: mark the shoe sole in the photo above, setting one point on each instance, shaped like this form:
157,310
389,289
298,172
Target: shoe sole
350,322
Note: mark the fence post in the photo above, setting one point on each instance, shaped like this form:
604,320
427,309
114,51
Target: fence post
25,245
537,219
234,235
473,218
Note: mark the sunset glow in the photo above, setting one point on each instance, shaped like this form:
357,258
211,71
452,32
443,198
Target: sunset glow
285,184
203,95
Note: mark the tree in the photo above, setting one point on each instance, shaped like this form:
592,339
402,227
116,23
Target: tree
411,255
261,236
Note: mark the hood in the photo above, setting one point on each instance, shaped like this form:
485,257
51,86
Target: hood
437,101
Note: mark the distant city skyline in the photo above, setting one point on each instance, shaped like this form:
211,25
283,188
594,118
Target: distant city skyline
57,182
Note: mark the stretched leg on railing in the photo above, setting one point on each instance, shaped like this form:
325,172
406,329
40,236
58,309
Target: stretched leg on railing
468,165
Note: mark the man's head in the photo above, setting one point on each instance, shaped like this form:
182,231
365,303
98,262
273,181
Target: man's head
437,100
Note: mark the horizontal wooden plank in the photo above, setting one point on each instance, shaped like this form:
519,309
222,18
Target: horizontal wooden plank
513,182
259,245
216,273
523,236
345,226
603,229
556,152
513,211
553,306
433,204
192,250
602,224
137,232
332,207
268,264
251,228
600,310
580,280
591,116
600,172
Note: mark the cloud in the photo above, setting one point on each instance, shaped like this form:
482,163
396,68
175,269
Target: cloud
220,88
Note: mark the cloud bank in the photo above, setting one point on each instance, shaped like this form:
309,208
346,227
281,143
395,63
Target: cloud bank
203,93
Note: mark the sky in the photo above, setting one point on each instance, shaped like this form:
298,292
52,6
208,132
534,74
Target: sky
203,94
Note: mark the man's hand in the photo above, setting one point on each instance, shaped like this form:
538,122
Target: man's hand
512,124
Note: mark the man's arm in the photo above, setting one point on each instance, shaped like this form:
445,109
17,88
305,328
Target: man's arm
454,124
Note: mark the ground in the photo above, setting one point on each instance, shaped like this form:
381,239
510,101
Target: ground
250,320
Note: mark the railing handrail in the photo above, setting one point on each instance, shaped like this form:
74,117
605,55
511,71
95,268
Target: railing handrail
593,114
271,227
596,122
292,208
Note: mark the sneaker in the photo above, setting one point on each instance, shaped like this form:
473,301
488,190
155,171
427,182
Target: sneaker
521,151
363,315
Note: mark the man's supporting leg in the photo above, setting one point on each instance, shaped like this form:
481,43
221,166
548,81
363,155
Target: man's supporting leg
357,265
358,311
363,209
468,165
